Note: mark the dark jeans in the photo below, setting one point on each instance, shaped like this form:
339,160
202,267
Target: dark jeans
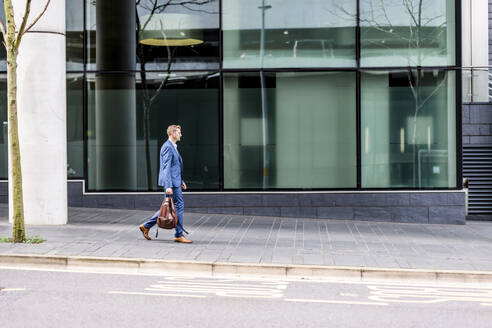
179,204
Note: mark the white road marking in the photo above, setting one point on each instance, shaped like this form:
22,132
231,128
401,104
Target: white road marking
412,294
221,283
12,289
221,287
155,294
334,302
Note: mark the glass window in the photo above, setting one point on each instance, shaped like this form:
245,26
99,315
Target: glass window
75,126
288,33
408,129
90,27
4,131
127,120
3,53
289,130
170,34
75,35
177,34
407,33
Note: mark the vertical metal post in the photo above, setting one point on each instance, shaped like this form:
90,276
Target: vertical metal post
264,108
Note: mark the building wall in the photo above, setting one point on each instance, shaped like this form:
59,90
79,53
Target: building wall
477,124
477,117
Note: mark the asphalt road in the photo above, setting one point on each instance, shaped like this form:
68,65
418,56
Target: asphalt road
32,298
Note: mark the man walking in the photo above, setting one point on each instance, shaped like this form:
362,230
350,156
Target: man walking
171,178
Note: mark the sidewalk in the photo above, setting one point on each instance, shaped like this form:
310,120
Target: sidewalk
113,233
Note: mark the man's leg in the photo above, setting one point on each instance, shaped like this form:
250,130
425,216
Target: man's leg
179,205
152,221
149,224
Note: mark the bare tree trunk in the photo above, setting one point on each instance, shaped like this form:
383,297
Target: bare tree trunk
18,232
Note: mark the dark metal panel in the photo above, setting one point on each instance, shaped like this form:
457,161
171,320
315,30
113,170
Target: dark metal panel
477,168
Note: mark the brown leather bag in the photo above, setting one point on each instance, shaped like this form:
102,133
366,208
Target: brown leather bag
167,218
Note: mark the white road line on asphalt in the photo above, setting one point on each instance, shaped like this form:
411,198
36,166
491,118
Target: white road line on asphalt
227,293
300,300
213,289
12,289
486,304
155,294
428,295
214,283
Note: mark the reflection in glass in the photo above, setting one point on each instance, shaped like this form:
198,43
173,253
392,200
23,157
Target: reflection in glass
288,33
311,128
475,85
3,53
75,34
4,128
75,126
90,27
408,129
407,33
115,96
171,34
188,99
177,35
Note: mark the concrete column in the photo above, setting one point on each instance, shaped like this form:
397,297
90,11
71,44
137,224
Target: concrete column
41,88
115,138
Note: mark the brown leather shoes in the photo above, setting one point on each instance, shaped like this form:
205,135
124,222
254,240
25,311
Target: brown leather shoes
182,239
145,232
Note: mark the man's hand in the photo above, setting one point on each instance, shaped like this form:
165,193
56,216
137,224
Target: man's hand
183,186
169,191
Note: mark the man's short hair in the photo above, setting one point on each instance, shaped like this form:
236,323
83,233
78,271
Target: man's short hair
172,128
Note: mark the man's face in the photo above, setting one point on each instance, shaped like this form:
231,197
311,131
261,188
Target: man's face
177,135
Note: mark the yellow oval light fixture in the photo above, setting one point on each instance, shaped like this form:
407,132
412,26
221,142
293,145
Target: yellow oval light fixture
170,42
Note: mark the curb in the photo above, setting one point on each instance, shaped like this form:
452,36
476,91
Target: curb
151,266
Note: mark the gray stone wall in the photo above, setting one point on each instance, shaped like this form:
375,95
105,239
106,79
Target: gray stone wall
446,207
438,207
477,124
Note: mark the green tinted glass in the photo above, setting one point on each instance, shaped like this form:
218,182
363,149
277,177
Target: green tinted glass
289,130
75,126
407,33
127,123
408,129
288,33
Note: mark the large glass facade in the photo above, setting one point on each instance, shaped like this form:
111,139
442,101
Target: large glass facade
4,127
407,32
177,35
75,125
289,33
408,129
75,35
289,130
270,94
127,126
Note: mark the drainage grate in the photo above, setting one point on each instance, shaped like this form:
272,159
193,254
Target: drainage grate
477,168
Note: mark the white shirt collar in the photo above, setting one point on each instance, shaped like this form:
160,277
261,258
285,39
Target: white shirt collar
175,145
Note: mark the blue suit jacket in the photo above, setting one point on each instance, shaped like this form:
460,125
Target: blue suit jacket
171,166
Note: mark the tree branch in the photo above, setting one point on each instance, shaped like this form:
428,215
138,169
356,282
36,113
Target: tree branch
37,18
23,24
